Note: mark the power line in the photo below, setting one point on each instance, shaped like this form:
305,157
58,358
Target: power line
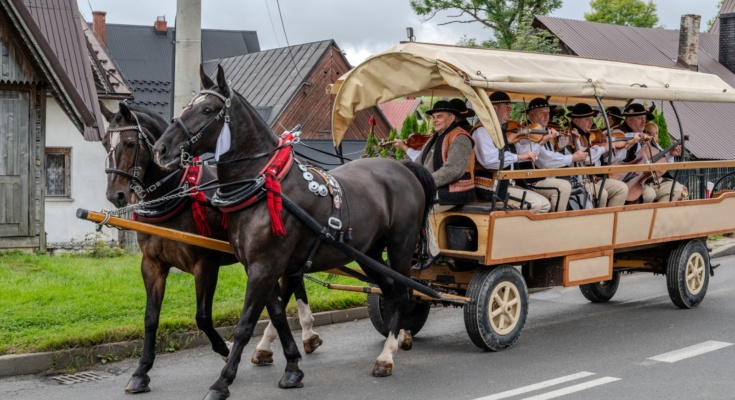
270,18
287,44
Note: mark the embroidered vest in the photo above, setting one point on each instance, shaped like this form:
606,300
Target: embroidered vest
461,191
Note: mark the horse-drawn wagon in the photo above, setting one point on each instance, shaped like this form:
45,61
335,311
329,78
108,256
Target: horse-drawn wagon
507,251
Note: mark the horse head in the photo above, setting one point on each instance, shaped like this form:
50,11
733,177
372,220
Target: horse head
207,120
128,142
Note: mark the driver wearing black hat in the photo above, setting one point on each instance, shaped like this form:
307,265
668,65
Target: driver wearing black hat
449,157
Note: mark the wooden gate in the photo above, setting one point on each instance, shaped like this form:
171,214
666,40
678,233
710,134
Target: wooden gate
14,163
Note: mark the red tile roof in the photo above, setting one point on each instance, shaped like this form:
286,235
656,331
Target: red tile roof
396,111
709,125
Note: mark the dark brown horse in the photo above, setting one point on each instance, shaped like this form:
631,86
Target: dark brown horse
133,176
383,201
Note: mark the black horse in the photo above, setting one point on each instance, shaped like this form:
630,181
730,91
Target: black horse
383,201
133,176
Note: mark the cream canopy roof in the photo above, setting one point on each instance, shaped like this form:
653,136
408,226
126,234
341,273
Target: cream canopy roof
441,70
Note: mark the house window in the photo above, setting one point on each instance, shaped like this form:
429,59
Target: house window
58,171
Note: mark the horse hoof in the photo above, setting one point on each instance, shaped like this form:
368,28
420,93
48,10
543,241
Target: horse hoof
215,395
382,369
313,343
138,384
291,380
407,343
262,357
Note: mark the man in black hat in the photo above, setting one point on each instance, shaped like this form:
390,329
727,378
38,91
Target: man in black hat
464,113
557,191
451,161
613,116
488,161
634,120
614,192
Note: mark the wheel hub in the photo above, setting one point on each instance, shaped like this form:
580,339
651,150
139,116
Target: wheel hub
505,308
695,271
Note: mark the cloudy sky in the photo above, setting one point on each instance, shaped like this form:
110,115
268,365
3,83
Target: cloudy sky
360,28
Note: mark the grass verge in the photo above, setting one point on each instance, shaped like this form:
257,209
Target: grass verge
59,302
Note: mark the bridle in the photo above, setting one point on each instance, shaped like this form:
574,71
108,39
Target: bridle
136,184
185,148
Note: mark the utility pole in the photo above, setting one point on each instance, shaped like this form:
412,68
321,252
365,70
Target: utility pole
188,57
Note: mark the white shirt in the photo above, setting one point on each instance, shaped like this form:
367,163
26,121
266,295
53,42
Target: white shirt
547,158
487,154
413,154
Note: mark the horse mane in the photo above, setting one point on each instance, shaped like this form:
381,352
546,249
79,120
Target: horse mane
150,119
257,119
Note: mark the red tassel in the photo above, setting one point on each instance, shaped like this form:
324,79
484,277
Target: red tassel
198,213
225,224
273,190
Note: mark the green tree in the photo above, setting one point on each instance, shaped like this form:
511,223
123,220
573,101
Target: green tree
389,151
664,140
712,20
623,12
410,125
508,19
371,145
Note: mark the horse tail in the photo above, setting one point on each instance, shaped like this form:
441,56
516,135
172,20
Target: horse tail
427,183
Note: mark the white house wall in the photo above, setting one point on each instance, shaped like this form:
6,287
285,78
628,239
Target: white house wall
88,181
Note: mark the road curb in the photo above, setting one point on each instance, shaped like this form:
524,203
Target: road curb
46,362
722,251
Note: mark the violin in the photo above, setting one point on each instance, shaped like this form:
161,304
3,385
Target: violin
414,141
516,132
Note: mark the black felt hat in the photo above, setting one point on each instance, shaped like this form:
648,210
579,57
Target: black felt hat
582,110
443,105
539,102
614,112
634,110
461,106
499,98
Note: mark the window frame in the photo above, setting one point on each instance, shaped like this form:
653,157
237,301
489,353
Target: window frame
66,152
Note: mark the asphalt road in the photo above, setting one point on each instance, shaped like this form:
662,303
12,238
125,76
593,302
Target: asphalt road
637,346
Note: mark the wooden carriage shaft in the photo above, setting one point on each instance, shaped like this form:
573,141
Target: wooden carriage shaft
221,245
608,169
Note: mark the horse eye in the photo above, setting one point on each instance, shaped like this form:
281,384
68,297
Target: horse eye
208,111
129,145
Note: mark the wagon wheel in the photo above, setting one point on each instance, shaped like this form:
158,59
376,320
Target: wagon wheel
687,273
413,320
497,313
601,292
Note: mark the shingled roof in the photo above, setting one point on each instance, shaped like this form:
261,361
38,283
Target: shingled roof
708,125
146,57
269,79
52,31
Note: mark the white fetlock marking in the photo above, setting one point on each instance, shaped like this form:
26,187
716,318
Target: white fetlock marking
390,348
269,336
306,319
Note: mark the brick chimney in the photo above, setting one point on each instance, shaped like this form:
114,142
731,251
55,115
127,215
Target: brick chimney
689,42
99,27
727,41
160,24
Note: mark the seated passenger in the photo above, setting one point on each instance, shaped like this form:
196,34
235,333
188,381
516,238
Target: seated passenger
660,191
449,157
614,192
464,113
557,191
488,160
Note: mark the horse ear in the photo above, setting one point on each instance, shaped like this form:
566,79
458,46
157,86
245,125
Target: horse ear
125,111
105,111
205,81
222,82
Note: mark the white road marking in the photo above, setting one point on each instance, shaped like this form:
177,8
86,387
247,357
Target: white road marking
573,389
691,351
537,386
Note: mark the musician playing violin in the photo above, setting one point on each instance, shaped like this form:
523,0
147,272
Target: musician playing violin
557,191
614,192
661,192
487,156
